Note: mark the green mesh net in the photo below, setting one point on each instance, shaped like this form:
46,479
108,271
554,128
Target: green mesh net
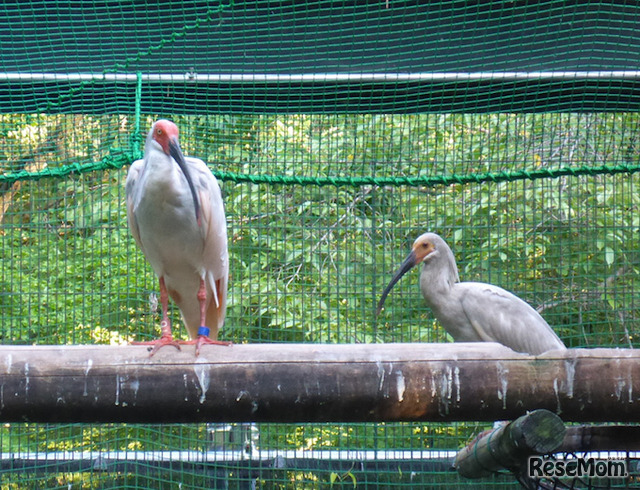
339,133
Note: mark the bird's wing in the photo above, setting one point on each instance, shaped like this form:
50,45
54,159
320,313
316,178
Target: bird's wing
135,171
500,316
214,229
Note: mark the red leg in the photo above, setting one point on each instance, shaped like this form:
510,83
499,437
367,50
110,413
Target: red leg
203,331
166,337
202,299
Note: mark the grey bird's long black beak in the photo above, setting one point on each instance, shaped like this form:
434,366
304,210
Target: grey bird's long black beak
408,264
176,153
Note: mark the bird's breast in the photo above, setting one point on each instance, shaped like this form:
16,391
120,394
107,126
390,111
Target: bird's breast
169,233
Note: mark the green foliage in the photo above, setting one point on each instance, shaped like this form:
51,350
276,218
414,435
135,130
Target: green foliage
308,263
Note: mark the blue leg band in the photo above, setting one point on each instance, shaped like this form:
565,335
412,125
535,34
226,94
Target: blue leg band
203,331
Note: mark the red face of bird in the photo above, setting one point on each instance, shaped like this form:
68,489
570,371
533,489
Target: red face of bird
423,248
165,133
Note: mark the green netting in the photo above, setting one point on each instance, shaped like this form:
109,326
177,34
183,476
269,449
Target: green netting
339,132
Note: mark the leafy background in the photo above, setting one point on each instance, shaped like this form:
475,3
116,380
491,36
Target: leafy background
309,262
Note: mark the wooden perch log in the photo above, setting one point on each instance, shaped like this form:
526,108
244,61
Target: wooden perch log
509,446
601,438
315,383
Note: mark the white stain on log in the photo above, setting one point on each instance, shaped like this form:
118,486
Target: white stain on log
442,383
86,376
629,384
400,385
570,369
126,390
202,374
557,392
434,390
135,386
623,383
381,374
503,383
118,379
26,381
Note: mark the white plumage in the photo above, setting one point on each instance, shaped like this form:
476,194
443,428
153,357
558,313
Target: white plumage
473,311
176,215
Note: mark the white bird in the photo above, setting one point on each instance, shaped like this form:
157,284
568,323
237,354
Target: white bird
473,311
176,216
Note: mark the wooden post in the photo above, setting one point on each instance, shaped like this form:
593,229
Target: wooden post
508,446
315,383
585,438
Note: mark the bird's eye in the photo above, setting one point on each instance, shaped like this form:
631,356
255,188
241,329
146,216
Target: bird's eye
158,131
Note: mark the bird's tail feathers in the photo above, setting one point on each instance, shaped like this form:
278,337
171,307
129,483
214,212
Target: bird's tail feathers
214,288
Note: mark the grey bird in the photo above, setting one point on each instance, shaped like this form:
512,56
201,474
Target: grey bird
176,216
473,311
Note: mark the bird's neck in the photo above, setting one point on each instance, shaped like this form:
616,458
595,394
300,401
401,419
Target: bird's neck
437,283
160,169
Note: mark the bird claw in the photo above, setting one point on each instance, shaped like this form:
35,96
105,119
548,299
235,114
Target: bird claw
159,343
203,339
155,345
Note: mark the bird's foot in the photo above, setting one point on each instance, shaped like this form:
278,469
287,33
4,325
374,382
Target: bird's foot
203,338
156,345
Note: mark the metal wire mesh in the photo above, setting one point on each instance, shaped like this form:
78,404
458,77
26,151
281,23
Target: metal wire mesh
326,180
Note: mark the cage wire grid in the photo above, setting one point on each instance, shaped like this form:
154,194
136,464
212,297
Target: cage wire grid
339,133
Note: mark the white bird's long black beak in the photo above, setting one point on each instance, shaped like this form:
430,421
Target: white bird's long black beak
408,264
176,153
